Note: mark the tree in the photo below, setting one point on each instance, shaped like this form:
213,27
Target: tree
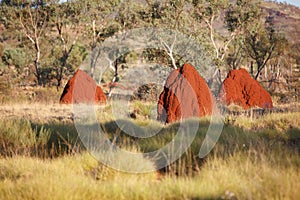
168,15
208,12
31,18
173,19
295,53
235,55
65,19
101,24
238,15
262,43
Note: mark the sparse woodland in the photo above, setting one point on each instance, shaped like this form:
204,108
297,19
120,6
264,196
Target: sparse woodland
44,42
43,155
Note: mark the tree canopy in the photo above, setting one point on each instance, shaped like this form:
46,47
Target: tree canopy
56,37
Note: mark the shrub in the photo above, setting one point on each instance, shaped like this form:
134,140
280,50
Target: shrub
17,137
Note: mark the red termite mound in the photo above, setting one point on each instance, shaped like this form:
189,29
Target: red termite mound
81,88
241,89
185,95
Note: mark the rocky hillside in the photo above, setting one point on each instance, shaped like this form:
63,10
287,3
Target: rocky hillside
286,19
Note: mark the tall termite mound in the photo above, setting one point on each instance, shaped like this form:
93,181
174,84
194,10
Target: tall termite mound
81,88
241,89
185,94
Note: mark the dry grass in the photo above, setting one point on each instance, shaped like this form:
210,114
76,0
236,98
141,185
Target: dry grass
254,159
37,111
280,122
81,177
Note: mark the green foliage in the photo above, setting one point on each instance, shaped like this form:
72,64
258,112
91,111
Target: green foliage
236,55
241,14
144,109
66,31
15,57
262,43
131,57
14,65
77,56
155,56
127,15
110,30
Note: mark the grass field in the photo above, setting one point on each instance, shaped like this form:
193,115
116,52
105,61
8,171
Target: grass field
41,157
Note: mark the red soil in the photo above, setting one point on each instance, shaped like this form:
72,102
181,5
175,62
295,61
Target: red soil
241,89
81,88
185,95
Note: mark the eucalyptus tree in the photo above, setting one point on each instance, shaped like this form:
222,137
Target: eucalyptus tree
99,19
263,43
236,16
31,19
174,17
236,55
66,22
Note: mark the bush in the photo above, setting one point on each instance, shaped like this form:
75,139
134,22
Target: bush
147,92
17,137
16,57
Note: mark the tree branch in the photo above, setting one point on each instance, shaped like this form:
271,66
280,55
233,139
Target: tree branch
210,26
169,50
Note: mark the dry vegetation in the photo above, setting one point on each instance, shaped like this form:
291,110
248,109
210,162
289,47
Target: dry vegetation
42,158
286,18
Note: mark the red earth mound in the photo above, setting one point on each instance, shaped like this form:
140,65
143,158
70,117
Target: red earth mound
81,88
185,95
241,89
